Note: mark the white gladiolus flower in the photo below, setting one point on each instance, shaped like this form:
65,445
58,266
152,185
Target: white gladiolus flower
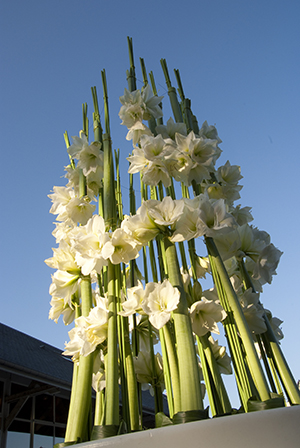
73,347
166,212
267,263
130,99
141,226
213,218
94,180
153,147
179,166
58,308
204,316
133,304
63,285
159,301
89,242
202,267
253,311
223,360
88,333
137,131
229,174
62,230
186,227
144,373
63,258
137,160
121,248
131,114
211,295
157,172
242,215
209,132
78,144
275,324
90,158
151,104
60,197
79,210
171,129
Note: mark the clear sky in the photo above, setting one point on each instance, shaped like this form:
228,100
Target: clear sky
239,63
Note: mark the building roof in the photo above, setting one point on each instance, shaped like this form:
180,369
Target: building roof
23,354
27,356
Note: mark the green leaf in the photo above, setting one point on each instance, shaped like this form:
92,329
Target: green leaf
190,416
103,431
162,420
276,401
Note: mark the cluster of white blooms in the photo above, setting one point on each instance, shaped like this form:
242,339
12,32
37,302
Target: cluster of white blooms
85,246
157,300
89,331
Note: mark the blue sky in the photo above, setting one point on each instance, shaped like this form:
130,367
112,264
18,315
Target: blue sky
239,64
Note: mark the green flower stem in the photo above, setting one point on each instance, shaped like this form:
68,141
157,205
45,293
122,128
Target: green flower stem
118,186
206,378
253,361
216,375
151,76
99,408
80,406
109,186
156,387
132,389
188,368
266,365
276,354
96,117
109,208
131,79
85,125
234,342
112,371
172,94
67,141
121,324
282,367
173,367
167,374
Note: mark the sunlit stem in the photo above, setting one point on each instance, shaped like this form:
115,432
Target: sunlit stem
173,366
172,94
80,407
253,361
112,371
131,73
96,117
279,360
188,368
151,76
215,374
67,141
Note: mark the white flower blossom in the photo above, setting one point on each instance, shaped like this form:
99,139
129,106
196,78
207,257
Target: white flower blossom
204,316
121,248
159,301
89,242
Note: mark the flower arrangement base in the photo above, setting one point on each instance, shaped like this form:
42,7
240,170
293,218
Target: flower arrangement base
272,428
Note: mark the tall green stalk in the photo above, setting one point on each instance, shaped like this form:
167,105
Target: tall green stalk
274,352
252,358
77,424
190,390
112,375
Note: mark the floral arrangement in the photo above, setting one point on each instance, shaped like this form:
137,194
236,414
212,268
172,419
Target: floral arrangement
122,307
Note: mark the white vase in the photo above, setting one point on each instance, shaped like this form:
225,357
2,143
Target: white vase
275,428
